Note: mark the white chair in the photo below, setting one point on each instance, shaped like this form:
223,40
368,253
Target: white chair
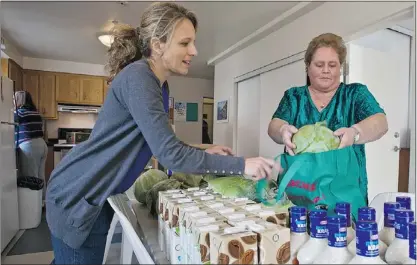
131,242
378,203
115,221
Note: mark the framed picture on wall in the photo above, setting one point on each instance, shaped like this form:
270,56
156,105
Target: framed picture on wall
222,111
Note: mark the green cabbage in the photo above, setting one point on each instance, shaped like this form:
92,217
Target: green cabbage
238,187
152,196
187,180
315,138
146,181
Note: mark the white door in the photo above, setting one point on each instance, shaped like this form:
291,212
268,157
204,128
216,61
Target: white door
273,85
382,73
9,203
248,117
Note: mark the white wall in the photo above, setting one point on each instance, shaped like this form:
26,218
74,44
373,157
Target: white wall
293,39
63,66
190,90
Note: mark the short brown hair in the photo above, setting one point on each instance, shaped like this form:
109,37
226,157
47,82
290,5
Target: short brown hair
326,40
130,44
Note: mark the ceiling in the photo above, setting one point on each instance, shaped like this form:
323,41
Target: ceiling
408,24
67,30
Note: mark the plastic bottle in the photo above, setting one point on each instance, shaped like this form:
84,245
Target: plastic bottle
404,201
343,208
367,245
397,252
367,214
298,228
412,243
336,251
318,237
387,234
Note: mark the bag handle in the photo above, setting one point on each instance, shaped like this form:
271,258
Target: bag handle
288,176
261,184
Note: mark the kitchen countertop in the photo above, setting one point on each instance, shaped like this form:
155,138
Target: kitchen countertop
64,145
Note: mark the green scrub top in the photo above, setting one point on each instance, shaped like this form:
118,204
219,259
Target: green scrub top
351,104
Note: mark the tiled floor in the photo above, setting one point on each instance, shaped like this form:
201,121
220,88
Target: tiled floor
33,246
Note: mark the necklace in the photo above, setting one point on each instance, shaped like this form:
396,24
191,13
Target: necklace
321,105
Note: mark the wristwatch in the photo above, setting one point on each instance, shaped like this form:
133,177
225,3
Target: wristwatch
356,137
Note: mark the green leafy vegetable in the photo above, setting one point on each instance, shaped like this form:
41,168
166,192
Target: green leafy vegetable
237,187
152,195
315,138
146,181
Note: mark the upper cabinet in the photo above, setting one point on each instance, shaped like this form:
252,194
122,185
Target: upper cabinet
12,70
79,89
67,88
41,85
47,94
91,90
51,88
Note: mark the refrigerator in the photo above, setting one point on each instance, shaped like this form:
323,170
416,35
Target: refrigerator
8,172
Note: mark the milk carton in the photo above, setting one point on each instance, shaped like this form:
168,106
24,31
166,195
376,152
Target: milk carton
201,234
336,251
173,224
183,209
318,238
367,244
397,252
233,245
273,243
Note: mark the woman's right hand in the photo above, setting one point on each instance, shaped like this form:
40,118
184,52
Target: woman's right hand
287,131
259,167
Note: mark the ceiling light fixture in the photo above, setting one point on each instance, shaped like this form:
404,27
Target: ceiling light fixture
105,37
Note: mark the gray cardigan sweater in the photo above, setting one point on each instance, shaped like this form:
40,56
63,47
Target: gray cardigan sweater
132,113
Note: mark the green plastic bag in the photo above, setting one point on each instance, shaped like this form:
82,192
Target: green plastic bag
316,180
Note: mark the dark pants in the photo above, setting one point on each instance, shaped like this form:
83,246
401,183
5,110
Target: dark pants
92,250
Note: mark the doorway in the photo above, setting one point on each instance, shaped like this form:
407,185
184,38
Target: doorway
207,129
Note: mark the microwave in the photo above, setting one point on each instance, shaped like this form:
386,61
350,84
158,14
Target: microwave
77,137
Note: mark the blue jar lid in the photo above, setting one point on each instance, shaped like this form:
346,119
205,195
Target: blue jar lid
337,220
391,205
317,213
298,209
366,214
403,215
367,226
403,199
342,205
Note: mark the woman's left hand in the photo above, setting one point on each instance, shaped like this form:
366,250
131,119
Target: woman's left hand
346,135
219,150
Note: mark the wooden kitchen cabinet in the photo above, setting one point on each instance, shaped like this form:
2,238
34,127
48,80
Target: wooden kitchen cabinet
105,88
12,70
31,85
47,92
91,90
79,89
67,88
